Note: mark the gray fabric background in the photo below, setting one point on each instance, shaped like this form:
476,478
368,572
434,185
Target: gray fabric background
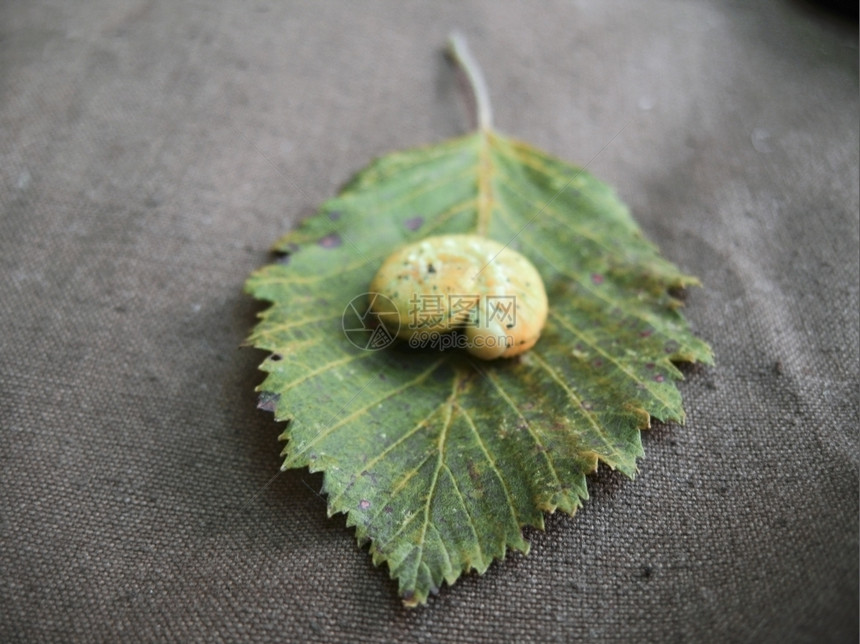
151,151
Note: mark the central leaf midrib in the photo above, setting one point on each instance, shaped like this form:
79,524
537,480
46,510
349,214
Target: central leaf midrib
440,464
484,172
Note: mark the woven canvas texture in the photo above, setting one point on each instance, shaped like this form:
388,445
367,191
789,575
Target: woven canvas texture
150,153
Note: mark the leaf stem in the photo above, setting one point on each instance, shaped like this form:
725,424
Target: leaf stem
459,52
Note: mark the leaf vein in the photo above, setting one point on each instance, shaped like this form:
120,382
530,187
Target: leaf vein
292,384
443,434
594,345
536,438
492,463
601,431
392,446
468,514
268,328
358,412
548,209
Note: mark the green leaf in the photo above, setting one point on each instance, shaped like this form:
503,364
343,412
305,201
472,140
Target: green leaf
438,459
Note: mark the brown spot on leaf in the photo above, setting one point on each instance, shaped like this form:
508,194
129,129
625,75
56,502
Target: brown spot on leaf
414,223
474,474
331,241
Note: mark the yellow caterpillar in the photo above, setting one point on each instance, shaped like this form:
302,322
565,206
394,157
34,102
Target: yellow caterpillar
468,284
